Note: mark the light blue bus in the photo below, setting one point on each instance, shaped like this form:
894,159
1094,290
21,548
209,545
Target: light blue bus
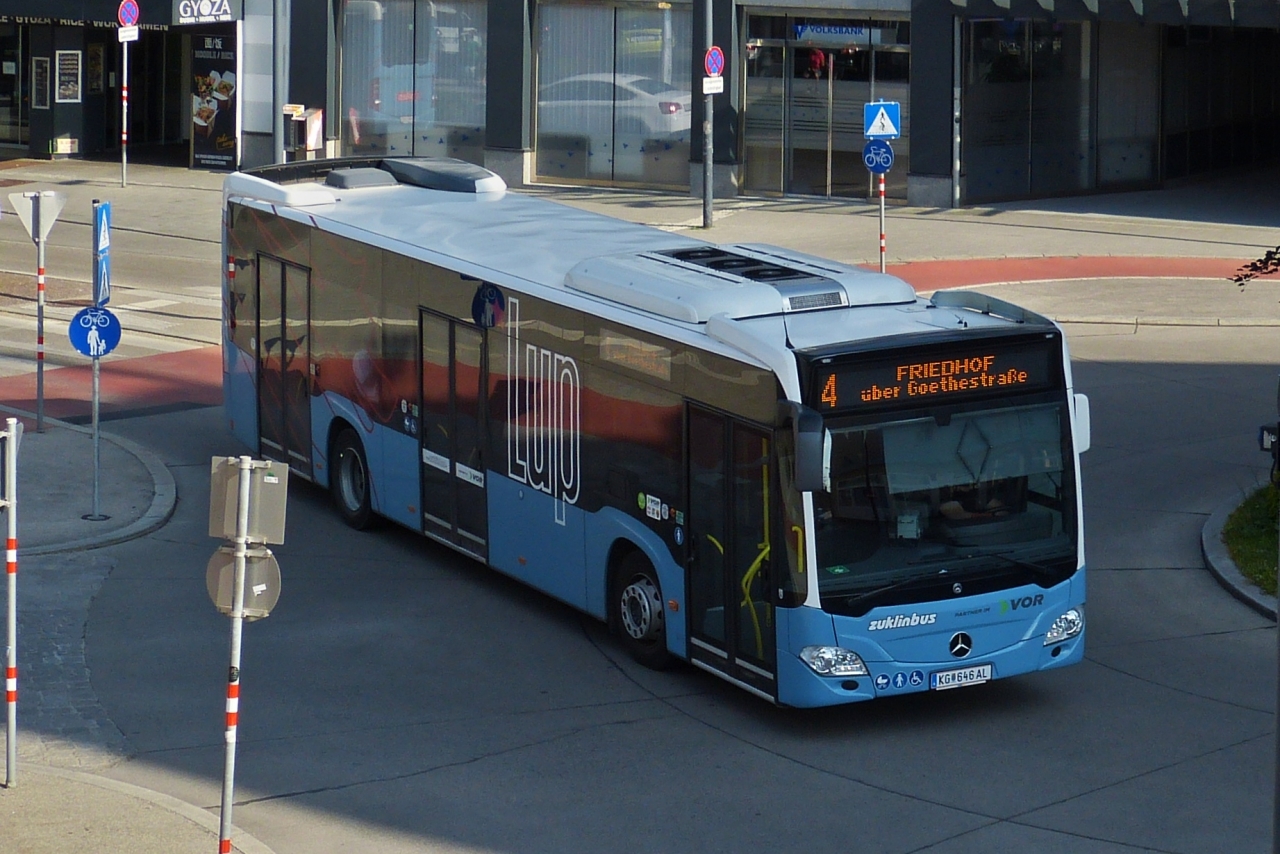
794,474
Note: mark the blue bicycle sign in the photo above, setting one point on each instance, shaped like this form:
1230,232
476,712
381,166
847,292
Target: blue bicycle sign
94,332
878,156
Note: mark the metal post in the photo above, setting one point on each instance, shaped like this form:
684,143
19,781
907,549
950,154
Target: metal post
1275,827
233,674
831,78
882,222
11,573
96,515
955,113
35,218
124,117
280,65
708,145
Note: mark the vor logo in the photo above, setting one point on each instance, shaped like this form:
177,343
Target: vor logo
1007,605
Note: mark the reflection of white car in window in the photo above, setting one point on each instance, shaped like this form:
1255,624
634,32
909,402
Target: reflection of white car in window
598,105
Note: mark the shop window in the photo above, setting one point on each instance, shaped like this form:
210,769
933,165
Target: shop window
413,78
614,96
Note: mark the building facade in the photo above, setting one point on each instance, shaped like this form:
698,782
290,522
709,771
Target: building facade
1001,99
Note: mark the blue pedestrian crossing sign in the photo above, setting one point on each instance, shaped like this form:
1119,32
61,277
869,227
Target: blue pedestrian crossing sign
882,120
94,332
101,253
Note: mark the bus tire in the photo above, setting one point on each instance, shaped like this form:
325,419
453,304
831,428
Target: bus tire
637,612
349,480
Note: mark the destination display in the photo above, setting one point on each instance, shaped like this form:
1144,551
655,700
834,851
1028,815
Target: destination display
919,378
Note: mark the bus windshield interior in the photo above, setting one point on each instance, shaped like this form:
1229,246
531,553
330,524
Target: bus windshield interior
944,497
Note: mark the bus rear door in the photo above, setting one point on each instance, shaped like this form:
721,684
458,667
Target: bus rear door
284,363
731,620
454,502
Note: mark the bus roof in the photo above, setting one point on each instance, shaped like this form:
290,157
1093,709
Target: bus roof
754,297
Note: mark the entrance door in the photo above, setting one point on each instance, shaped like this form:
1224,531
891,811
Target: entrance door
807,81
13,86
284,363
731,621
454,505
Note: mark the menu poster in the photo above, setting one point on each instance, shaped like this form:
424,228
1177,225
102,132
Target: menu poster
68,81
40,82
213,102
94,69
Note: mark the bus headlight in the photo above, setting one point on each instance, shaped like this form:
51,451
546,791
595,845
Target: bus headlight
1065,627
833,661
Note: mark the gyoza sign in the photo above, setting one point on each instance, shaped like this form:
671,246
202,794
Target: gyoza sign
205,11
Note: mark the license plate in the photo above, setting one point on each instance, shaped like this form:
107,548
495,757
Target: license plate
944,679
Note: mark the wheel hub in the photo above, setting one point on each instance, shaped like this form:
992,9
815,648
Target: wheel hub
641,610
351,480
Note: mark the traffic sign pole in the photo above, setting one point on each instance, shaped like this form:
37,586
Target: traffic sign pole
708,110
11,619
233,673
124,115
882,244
127,15
881,121
96,515
35,202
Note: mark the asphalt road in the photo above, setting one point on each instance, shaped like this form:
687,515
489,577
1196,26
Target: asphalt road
403,699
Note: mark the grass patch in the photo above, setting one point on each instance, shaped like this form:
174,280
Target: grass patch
1250,537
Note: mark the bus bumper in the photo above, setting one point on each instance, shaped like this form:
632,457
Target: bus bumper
800,686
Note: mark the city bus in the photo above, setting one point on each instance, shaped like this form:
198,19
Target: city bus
795,474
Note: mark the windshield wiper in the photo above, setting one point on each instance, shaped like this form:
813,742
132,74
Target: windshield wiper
1039,569
857,598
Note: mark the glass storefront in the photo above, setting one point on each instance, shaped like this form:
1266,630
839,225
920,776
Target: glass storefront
614,101
807,80
14,86
413,78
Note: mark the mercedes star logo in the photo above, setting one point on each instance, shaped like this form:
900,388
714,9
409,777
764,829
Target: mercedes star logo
957,588
961,644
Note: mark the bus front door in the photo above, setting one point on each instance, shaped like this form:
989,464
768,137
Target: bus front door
454,504
284,363
730,613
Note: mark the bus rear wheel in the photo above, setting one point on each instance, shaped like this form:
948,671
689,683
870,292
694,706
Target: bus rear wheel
637,613
349,480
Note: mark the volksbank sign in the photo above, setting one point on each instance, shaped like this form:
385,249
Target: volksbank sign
205,11
840,35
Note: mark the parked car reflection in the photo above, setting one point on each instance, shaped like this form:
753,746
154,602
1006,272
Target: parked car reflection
598,105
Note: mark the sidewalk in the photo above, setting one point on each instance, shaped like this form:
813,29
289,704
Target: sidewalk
1150,259
56,807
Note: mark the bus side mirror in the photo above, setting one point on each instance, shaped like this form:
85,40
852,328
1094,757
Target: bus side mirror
808,433
1084,427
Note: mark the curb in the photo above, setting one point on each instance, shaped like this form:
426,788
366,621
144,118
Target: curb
240,839
1220,565
164,497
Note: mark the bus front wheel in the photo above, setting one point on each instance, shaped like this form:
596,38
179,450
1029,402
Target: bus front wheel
638,616
349,480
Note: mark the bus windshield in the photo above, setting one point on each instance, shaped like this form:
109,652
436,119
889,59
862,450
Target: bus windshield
978,492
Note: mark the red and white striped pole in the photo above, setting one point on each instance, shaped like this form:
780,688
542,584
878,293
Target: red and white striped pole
124,115
39,321
11,574
233,674
882,247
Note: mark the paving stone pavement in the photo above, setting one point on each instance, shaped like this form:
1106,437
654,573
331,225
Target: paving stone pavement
61,721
